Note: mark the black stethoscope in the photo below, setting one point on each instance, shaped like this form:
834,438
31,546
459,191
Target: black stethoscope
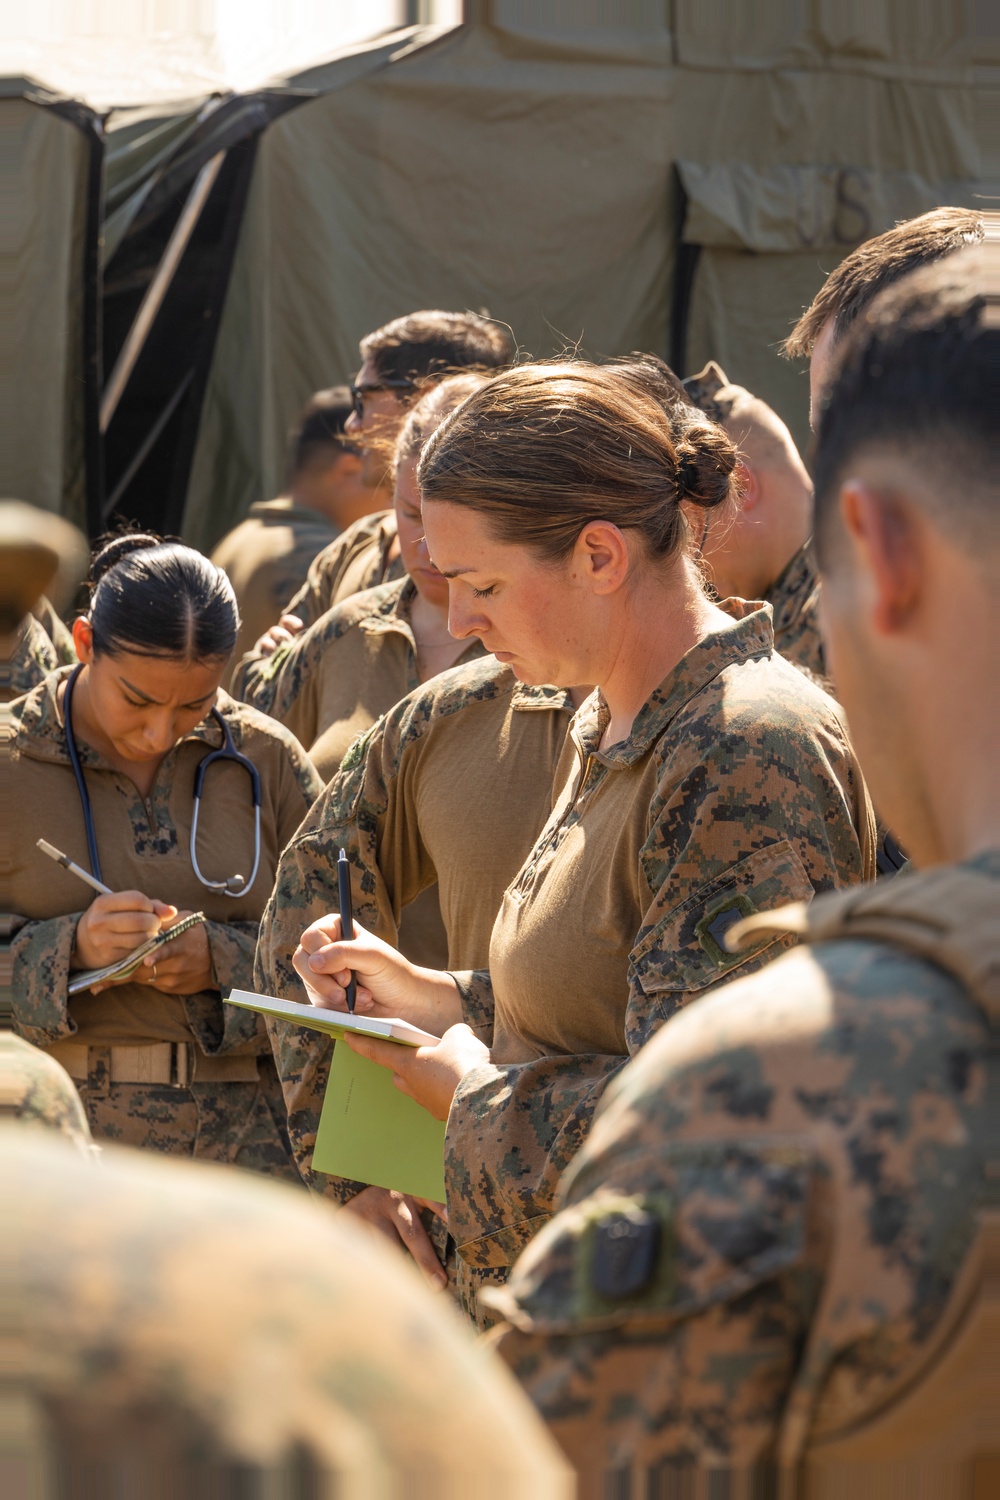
235,885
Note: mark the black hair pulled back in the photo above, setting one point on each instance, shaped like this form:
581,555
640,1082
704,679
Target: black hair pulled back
154,597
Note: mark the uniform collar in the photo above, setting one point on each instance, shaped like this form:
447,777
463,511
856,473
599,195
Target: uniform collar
282,510
390,613
526,697
751,634
390,610
42,734
796,580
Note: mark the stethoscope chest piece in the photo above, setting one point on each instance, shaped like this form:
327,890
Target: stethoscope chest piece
234,885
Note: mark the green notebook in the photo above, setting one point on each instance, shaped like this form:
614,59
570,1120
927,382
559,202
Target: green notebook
368,1130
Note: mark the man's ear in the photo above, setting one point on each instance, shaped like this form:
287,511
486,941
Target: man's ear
83,639
884,539
747,485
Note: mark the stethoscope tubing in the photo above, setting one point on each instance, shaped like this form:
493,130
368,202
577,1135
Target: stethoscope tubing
226,751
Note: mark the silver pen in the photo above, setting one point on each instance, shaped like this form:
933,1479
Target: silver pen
67,864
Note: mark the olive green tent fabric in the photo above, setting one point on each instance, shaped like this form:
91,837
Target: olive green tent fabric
44,168
139,143
483,169
548,161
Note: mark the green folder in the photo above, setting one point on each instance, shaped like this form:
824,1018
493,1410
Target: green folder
368,1130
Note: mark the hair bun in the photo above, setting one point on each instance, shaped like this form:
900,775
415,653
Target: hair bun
706,459
111,552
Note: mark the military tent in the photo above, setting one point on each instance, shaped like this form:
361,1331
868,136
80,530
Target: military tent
673,175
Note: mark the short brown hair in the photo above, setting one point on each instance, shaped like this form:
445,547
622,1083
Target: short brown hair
319,432
919,377
431,343
546,448
875,265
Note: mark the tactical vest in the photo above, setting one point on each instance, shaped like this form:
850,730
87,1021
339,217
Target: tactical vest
935,1434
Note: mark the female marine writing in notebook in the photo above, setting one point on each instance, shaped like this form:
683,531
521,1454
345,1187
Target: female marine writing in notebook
105,758
710,778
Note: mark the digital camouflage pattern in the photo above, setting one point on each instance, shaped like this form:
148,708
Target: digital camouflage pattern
737,791
35,1089
333,681
794,598
763,1227
185,1331
455,778
267,558
233,1108
41,644
360,558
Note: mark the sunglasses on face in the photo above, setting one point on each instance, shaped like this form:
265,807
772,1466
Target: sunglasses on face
359,392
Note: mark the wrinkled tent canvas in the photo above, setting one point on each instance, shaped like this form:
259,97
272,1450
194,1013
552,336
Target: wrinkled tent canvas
678,178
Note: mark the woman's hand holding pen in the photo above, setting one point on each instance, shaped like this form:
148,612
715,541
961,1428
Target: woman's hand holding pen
387,983
114,926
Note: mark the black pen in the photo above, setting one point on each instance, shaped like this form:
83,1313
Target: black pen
346,916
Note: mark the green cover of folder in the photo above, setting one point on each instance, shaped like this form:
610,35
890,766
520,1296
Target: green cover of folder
368,1130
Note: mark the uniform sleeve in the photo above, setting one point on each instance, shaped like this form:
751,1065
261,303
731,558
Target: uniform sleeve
233,945
475,990
40,956
659,1318
304,890
370,810
739,831
315,596
285,684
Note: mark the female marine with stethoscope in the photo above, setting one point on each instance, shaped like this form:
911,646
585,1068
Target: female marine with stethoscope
175,799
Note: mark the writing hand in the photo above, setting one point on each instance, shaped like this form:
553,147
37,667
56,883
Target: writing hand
387,983
114,926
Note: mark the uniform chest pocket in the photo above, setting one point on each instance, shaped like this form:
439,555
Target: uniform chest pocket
684,951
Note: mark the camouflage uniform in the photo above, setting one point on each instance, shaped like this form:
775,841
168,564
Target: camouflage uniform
332,682
736,791
41,645
765,1223
794,598
184,1331
456,778
358,559
267,558
34,1088
220,1097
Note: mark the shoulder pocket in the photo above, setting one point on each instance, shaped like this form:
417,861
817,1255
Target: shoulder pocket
715,1220
684,951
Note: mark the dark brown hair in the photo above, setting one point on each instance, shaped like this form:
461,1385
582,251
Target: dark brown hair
431,343
919,376
319,432
160,598
546,448
875,265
